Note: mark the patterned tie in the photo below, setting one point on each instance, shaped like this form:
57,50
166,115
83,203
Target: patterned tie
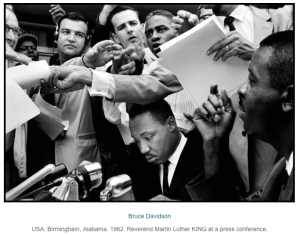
165,179
228,21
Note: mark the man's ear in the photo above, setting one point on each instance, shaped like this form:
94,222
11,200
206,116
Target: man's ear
287,99
115,38
171,124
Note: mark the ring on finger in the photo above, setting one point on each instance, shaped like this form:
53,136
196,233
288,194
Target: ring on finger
227,49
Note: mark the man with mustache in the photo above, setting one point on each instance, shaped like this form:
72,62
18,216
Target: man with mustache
267,110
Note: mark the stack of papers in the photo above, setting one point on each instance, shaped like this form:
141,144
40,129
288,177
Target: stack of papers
186,57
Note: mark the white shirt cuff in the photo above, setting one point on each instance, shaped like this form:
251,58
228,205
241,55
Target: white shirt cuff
103,84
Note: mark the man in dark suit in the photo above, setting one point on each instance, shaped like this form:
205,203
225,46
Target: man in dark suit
267,110
245,27
177,158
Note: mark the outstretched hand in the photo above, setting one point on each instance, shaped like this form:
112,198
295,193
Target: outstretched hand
130,60
57,12
70,77
102,53
184,21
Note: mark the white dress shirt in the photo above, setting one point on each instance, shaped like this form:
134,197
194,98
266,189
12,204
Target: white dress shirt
243,22
290,164
173,162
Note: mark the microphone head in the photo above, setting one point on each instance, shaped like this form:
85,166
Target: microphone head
118,185
59,171
88,175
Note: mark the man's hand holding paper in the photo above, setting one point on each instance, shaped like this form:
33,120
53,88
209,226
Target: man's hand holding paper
233,45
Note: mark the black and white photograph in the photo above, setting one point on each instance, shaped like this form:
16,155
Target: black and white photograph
149,117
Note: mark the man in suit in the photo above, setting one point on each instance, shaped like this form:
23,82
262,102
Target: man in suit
177,158
142,89
267,110
246,28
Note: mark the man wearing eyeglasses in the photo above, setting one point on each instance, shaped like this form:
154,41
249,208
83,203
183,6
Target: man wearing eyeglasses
12,32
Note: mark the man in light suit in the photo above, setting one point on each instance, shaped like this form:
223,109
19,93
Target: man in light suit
267,110
175,157
248,27
142,89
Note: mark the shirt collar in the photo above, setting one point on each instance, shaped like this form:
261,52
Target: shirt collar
239,12
176,155
290,164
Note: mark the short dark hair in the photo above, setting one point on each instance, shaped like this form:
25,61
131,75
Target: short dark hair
160,12
75,17
117,10
281,63
159,110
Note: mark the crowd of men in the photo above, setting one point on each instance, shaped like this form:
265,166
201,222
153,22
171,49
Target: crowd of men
128,127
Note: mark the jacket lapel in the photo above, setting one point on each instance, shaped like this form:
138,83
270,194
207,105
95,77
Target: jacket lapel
182,167
288,190
262,25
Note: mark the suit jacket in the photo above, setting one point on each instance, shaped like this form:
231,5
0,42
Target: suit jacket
190,165
255,168
220,187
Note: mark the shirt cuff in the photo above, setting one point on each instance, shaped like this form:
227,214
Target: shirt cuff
103,84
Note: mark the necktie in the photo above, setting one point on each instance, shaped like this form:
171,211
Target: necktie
165,179
229,21
285,178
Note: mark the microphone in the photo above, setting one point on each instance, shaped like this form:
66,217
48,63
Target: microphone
13,193
118,188
79,182
53,178
59,171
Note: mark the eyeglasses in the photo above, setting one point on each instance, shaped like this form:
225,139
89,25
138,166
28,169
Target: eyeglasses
16,30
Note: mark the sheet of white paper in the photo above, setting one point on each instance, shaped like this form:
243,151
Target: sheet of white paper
182,122
50,118
180,103
195,70
19,108
29,76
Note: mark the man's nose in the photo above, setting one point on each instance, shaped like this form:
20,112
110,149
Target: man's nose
154,37
242,90
71,37
129,29
144,148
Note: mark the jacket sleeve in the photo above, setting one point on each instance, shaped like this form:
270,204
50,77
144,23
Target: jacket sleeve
146,88
101,32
